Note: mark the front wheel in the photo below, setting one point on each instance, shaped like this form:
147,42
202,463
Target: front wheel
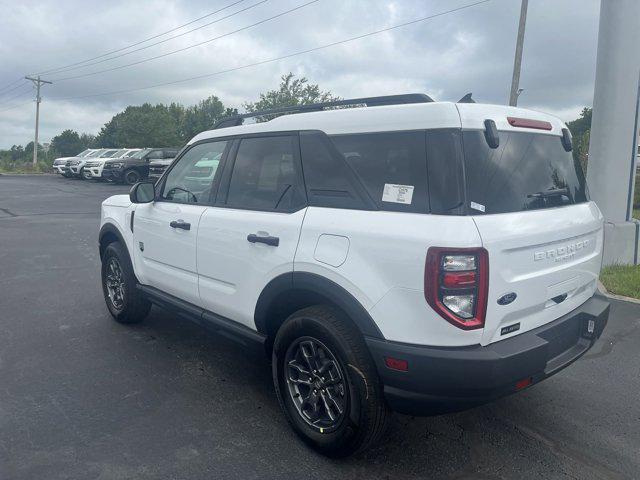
131,177
84,174
119,286
327,383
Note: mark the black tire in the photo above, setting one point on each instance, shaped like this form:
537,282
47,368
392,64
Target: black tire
365,412
131,176
128,305
82,176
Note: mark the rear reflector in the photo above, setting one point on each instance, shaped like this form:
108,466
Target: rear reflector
396,364
524,383
459,279
529,123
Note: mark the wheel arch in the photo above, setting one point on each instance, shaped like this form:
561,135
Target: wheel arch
293,291
109,233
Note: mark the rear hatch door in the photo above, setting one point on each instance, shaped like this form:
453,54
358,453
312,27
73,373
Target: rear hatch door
529,201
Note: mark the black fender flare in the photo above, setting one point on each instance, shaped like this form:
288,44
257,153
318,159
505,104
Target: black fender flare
293,282
110,228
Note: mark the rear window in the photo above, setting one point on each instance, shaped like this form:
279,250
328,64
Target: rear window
392,167
527,171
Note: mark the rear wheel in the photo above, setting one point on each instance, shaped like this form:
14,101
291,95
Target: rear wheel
124,301
327,383
131,177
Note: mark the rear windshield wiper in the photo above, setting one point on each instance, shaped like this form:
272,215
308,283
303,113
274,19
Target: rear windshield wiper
551,193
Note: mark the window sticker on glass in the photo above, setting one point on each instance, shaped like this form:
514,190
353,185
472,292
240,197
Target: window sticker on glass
478,206
397,193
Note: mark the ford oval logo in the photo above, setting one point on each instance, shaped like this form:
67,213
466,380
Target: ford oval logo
507,298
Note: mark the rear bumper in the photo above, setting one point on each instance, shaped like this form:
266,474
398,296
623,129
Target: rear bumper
445,379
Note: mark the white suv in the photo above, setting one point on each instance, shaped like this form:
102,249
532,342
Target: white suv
409,255
93,168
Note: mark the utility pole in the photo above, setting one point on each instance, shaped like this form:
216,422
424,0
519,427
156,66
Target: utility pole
517,62
38,83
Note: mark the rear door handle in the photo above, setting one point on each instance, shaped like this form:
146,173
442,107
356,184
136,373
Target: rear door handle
180,224
267,239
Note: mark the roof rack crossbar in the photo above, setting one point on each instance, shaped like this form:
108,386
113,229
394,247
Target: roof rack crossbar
236,120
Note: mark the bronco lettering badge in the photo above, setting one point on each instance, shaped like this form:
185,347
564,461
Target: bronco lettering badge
561,254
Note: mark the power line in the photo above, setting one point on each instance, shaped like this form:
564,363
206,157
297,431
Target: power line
144,60
283,57
161,41
12,83
55,70
20,94
14,88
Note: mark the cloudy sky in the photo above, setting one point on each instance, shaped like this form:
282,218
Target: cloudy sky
470,50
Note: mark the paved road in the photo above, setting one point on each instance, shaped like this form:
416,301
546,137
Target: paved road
83,397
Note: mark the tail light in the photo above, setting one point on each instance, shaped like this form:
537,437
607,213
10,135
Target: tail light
456,285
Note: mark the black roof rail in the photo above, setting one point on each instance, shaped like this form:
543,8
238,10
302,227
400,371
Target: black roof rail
236,120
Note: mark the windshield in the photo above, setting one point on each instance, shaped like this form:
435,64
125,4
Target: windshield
141,153
527,171
130,153
95,153
110,153
84,153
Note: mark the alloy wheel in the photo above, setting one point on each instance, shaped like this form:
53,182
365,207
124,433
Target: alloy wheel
316,383
115,283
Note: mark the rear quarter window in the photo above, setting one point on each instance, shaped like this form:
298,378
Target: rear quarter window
392,167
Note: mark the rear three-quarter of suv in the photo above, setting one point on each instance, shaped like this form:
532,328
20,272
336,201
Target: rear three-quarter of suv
132,169
402,254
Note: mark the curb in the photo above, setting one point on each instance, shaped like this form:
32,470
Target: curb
34,174
603,290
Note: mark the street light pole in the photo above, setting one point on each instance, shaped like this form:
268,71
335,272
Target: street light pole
517,62
38,83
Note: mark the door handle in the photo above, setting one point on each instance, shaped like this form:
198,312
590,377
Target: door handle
180,224
267,239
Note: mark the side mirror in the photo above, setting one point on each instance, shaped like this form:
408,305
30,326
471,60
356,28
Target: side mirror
142,192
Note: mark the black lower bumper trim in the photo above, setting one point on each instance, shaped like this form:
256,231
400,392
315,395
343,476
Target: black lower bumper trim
445,379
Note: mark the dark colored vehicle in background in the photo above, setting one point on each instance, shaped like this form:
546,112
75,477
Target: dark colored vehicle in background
158,166
135,168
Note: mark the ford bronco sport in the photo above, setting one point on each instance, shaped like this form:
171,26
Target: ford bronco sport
401,254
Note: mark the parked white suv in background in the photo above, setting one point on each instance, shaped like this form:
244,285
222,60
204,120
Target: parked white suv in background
75,166
93,168
60,163
407,254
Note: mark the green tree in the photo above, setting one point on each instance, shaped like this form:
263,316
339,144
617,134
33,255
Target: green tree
292,91
580,131
87,140
204,116
141,126
67,143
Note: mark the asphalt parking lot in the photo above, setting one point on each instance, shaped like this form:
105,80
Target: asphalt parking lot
84,397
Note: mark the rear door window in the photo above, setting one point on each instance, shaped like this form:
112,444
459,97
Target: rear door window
528,171
391,165
265,176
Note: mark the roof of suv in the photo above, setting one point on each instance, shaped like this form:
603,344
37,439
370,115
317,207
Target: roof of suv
414,116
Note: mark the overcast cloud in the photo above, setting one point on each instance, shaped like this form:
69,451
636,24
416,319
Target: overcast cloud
466,51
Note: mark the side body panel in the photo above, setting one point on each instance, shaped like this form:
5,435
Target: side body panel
232,272
379,257
165,257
